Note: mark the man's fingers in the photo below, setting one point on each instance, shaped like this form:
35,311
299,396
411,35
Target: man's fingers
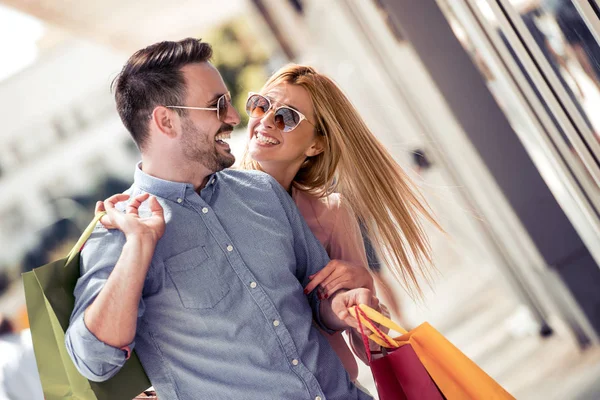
109,206
375,302
99,207
343,315
117,198
105,220
155,206
365,297
134,205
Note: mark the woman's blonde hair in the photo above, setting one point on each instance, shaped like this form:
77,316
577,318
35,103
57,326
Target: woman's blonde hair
356,165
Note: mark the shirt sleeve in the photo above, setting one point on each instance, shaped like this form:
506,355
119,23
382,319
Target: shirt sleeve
311,257
95,360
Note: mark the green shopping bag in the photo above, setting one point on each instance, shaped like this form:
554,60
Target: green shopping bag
50,302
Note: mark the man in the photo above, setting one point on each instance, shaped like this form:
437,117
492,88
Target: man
215,308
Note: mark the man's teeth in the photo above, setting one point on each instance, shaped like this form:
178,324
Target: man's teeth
264,139
223,137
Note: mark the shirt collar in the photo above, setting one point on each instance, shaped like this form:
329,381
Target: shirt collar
175,191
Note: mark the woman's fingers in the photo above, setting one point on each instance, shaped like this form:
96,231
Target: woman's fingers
336,283
319,277
339,284
345,276
336,274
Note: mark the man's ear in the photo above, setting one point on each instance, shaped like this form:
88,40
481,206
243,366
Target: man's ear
166,121
316,148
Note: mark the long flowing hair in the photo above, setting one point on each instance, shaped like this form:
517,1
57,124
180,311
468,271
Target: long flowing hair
355,164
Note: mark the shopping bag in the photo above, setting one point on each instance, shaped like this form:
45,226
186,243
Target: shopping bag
397,372
50,301
456,376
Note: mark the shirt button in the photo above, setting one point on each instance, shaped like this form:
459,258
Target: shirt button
276,323
212,181
295,362
230,248
205,210
179,200
252,285
318,398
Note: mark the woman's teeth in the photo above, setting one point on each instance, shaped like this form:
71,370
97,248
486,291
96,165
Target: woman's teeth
265,139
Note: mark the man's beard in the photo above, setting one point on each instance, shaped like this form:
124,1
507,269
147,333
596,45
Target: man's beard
199,148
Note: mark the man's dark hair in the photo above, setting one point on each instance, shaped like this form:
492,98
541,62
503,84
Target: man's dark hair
153,77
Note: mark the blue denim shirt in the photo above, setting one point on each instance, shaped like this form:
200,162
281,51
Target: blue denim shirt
223,314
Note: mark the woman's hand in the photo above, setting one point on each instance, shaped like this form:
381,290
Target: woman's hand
339,275
130,222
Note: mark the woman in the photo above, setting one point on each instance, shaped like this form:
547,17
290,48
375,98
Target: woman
305,133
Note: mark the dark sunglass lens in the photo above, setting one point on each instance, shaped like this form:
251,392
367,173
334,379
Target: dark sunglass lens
289,118
257,106
279,122
222,106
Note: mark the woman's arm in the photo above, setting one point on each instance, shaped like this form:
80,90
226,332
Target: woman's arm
346,244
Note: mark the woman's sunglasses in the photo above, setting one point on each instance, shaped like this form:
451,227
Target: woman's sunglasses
286,118
221,108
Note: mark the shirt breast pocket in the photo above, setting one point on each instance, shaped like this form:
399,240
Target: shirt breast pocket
196,281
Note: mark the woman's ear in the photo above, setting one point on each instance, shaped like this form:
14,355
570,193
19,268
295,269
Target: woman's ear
165,120
316,148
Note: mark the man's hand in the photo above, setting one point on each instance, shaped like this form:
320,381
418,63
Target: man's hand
112,316
337,317
338,275
130,222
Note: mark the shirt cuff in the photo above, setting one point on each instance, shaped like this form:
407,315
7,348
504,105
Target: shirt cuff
90,347
315,303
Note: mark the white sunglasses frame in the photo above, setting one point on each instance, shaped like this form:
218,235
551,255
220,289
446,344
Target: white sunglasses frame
302,116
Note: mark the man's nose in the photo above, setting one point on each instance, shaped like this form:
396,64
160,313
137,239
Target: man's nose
233,117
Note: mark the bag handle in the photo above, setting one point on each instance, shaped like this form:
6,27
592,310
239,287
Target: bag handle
363,335
84,236
365,315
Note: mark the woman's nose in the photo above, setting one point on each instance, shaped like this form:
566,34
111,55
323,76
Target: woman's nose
268,119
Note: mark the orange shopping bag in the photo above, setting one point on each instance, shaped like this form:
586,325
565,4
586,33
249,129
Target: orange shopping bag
457,377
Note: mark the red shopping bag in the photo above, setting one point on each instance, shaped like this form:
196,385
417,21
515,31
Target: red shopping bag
455,375
399,374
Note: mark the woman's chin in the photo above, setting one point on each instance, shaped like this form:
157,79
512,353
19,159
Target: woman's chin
257,152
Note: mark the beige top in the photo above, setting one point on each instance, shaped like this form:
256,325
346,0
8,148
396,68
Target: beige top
336,227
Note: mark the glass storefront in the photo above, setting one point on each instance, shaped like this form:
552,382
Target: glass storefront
541,62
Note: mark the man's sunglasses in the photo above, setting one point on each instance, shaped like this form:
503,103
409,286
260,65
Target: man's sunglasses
286,118
221,108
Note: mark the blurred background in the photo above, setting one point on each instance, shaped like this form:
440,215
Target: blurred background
491,105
